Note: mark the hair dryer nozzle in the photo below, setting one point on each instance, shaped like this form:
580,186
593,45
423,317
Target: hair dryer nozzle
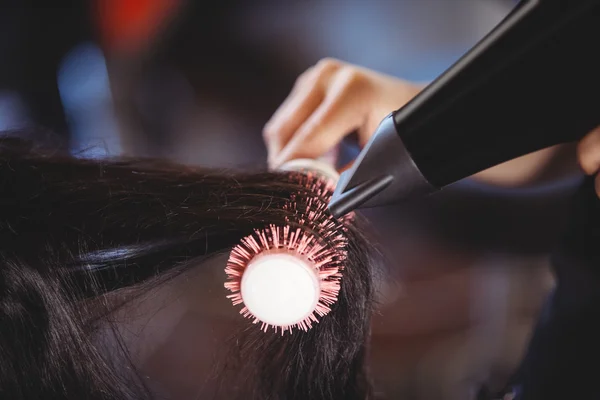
346,202
383,173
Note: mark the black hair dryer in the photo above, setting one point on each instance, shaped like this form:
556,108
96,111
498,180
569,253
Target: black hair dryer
532,82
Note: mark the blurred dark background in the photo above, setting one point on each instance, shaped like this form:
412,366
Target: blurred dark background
195,82
184,70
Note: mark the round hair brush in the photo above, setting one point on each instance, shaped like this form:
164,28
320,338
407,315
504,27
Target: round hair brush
289,276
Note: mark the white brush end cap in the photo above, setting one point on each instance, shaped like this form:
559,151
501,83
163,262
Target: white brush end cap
280,289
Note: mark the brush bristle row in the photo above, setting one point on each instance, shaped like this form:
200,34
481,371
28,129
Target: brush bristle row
312,234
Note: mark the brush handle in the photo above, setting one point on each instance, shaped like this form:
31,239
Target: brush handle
318,166
533,82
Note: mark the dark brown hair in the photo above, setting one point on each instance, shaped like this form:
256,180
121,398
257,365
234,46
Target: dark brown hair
74,230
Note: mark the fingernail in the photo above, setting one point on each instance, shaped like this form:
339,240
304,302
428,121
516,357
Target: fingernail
281,158
272,152
276,163
271,163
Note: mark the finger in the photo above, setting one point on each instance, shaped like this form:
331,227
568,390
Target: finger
292,114
330,157
300,83
588,152
346,167
340,113
304,99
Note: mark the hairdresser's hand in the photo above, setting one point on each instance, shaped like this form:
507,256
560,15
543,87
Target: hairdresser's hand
588,153
329,101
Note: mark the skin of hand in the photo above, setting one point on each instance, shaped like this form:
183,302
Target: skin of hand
329,101
334,98
588,154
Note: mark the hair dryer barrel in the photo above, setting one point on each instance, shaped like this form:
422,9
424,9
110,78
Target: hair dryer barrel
529,85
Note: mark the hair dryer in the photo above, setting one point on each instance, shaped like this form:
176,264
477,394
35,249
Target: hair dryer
531,83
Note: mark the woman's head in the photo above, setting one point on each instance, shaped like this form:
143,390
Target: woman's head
82,240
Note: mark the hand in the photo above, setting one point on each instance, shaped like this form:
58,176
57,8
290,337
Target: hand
329,101
588,154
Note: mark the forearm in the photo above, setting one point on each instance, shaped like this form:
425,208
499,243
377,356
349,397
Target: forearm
531,168
527,169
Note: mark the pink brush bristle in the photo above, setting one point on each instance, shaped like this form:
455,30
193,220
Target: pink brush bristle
321,188
312,234
327,260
